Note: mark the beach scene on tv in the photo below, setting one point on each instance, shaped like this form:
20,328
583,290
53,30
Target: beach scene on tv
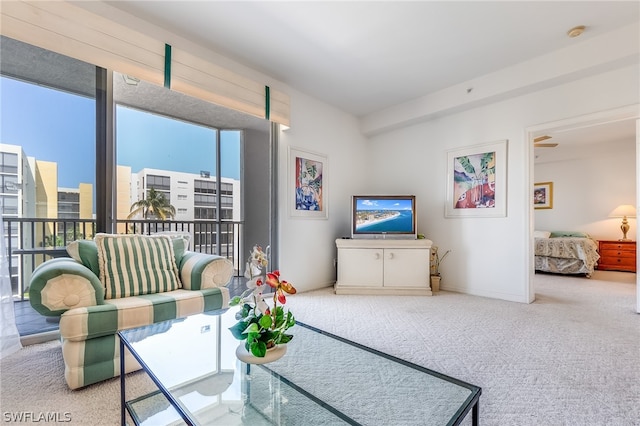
384,215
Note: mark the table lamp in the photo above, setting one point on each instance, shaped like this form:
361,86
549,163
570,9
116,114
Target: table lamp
624,211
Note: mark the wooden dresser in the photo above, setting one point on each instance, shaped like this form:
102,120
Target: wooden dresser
617,256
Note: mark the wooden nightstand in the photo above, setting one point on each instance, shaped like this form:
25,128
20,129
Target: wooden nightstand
617,256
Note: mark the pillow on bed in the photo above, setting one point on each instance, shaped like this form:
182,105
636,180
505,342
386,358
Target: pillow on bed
541,234
569,234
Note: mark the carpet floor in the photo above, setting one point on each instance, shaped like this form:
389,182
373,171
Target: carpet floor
570,358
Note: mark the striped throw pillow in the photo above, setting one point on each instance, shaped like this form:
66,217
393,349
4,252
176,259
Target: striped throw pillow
132,265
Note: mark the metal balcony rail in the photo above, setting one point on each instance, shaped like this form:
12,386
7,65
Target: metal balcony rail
31,241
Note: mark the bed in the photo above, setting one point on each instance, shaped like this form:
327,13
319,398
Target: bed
565,253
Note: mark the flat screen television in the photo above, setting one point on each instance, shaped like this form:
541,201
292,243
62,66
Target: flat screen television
383,216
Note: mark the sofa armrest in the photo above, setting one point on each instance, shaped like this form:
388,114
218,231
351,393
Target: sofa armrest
58,285
199,271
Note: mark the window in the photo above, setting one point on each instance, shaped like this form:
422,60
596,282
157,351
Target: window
204,187
227,201
227,214
159,182
203,213
156,148
69,197
173,142
9,205
204,200
8,162
49,147
48,135
226,188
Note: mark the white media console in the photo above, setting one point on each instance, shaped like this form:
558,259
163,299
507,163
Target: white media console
383,266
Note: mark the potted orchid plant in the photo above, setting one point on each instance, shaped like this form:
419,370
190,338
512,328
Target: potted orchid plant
262,326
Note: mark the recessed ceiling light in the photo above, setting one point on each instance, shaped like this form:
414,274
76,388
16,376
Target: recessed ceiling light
576,31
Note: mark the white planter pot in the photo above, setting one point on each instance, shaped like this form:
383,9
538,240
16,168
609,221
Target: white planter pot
272,354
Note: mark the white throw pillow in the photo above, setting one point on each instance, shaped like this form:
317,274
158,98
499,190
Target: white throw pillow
541,234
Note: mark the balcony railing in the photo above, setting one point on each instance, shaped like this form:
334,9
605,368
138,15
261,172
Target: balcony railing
31,241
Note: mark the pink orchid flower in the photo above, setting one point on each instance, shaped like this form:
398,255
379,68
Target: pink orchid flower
281,287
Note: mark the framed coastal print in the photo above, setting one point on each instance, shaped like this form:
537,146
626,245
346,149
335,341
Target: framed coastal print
543,195
308,196
477,181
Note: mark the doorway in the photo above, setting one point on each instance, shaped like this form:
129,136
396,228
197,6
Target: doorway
622,126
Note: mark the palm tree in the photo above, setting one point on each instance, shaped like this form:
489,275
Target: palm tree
155,204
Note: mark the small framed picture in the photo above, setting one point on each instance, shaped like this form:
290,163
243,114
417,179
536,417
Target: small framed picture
543,195
308,196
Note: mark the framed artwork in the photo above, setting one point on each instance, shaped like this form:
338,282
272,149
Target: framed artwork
308,184
543,195
477,181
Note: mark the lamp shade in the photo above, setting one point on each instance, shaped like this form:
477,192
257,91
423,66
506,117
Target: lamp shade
623,210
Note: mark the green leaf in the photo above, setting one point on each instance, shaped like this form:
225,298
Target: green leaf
285,338
279,316
265,321
235,301
291,321
251,328
238,329
258,349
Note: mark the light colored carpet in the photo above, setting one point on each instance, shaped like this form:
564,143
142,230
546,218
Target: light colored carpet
570,358
32,384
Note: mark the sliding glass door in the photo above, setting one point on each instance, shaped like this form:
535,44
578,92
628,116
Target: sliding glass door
68,170
170,152
47,154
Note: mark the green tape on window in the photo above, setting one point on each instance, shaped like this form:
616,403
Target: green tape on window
167,66
267,102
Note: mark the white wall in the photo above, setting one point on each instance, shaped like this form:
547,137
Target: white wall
307,246
588,187
490,255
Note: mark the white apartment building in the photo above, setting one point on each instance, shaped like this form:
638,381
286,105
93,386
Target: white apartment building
194,197
17,199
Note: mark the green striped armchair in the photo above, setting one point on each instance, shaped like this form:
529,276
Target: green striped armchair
118,282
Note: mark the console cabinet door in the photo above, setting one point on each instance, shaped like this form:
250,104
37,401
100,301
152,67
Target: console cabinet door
360,267
406,268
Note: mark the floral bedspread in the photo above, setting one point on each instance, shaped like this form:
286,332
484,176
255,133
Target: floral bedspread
582,252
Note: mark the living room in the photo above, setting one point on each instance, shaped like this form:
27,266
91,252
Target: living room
606,78
402,149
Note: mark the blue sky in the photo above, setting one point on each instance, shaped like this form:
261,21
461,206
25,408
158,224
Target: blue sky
54,126
384,204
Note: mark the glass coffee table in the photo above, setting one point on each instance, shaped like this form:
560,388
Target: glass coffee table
322,379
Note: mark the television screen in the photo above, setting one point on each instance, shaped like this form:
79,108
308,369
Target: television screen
381,216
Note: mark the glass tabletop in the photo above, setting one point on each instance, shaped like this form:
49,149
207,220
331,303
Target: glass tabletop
322,379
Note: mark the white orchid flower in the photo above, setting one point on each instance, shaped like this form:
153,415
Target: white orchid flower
261,305
255,282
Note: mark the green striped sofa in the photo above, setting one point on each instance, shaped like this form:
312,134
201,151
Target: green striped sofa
118,282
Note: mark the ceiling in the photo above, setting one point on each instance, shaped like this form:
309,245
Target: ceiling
363,57
580,140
